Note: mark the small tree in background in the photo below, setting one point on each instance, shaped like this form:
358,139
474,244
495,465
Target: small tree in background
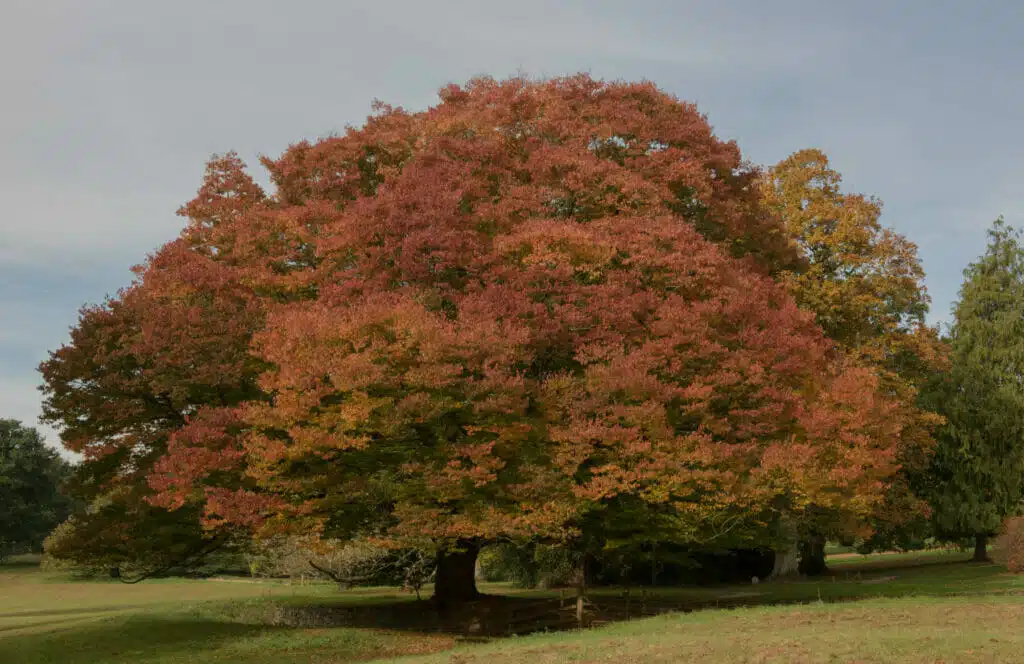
865,285
31,478
528,565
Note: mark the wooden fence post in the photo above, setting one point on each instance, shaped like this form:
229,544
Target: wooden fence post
579,605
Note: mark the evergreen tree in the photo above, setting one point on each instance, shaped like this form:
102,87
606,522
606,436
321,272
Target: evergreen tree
31,474
975,479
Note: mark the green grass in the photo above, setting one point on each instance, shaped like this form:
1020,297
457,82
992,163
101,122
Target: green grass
888,559
928,574
48,618
910,608
900,631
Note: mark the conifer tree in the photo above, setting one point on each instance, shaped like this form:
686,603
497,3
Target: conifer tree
975,478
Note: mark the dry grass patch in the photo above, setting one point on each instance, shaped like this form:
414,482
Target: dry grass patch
909,630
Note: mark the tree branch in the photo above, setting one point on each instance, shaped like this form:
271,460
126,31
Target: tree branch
197,553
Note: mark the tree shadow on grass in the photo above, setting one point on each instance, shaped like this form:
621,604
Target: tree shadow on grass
505,615
487,616
64,612
131,638
19,564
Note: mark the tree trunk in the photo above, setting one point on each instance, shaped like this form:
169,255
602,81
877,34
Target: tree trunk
812,556
579,580
981,549
654,564
456,574
787,556
787,561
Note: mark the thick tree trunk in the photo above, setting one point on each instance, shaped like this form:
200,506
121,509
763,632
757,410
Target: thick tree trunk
981,549
787,557
787,561
456,574
812,556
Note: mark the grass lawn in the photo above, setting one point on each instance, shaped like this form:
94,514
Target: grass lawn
884,631
926,608
53,619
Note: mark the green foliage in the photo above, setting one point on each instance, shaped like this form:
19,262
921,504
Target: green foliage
528,565
31,475
912,534
122,531
975,478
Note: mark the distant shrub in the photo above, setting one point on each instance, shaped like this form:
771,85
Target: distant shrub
1008,548
351,563
557,566
527,565
295,557
508,563
55,559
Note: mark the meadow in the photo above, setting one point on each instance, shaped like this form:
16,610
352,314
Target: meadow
929,607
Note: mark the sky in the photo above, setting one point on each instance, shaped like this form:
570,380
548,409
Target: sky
110,108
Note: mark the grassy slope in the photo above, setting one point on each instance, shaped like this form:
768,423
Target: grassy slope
941,611
889,630
50,619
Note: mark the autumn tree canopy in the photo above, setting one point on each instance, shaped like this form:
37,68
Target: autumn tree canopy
137,368
530,304
864,284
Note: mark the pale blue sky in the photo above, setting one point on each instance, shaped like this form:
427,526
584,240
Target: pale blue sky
109,108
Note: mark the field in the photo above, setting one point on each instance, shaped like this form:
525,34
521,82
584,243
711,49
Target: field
931,607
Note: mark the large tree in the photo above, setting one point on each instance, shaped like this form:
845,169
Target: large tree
532,310
976,478
864,284
31,479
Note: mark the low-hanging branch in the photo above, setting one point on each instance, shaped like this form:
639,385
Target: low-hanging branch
195,554
359,578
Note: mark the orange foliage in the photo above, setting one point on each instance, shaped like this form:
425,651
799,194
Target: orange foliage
1008,548
864,284
487,319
